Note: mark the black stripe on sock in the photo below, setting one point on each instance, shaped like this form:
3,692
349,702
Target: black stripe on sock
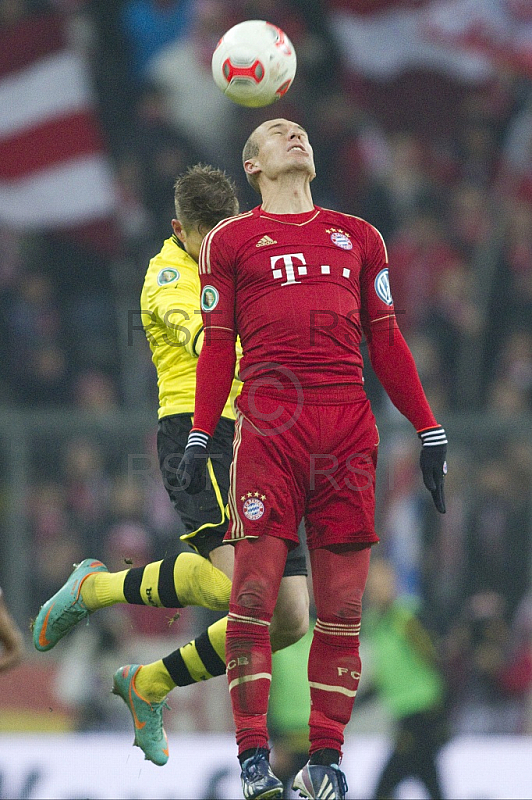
132,585
166,586
177,669
211,660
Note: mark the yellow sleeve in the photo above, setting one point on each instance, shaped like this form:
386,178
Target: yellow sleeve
177,309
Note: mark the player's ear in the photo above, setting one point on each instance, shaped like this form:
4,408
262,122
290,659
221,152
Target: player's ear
179,230
251,167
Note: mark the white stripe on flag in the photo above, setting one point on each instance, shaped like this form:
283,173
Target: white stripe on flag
52,87
383,45
69,193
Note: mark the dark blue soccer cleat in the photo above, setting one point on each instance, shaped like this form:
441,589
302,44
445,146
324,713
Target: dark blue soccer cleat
320,782
258,780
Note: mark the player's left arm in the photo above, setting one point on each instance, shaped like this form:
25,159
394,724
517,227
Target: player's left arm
394,364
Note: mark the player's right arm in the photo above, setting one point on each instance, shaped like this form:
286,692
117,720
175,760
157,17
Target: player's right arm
216,364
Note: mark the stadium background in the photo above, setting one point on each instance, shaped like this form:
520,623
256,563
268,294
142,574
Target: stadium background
420,114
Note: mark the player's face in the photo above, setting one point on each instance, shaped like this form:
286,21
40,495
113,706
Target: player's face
284,147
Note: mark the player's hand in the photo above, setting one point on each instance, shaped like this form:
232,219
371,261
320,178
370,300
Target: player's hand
433,463
192,470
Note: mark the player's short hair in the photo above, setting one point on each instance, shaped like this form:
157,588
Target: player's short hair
251,150
204,195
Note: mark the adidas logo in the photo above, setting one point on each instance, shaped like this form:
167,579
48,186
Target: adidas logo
265,240
326,789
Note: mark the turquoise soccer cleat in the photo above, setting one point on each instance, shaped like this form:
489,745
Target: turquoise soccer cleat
150,734
66,608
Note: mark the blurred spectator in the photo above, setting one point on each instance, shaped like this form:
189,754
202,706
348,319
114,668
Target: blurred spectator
133,217
429,356
470,217
516,292
482,669
408,180
515,677
161,153
453,319
420,253
195,106
95,391
498,536
149,25
514,367
10,638
38,369
408,680
87,486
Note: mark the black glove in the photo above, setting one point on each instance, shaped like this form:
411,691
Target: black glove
191,473
433,463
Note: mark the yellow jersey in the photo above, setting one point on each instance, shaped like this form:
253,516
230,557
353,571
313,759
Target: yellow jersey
171,316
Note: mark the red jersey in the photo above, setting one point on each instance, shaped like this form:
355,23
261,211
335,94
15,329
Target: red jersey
299,289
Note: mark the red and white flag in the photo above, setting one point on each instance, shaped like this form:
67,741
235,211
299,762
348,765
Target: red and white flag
381,39
54,173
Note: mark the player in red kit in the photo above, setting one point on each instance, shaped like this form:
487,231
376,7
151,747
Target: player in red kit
301,285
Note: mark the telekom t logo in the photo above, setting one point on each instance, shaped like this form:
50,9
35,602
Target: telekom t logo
290,266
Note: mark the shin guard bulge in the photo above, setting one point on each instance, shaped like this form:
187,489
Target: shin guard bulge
249,673
259,566
339,577
334,675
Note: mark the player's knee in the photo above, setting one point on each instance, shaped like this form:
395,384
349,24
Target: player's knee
254,595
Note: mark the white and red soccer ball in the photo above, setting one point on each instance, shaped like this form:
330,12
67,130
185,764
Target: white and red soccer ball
254,63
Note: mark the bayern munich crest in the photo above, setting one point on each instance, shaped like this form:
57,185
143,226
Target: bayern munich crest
253,507
341,239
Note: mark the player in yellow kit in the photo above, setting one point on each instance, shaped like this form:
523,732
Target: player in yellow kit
173,323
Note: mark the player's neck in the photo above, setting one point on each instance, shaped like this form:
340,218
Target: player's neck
286,198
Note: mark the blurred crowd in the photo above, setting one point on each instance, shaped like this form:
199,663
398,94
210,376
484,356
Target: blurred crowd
442,167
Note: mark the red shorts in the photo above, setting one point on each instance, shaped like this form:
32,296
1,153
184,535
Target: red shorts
314,461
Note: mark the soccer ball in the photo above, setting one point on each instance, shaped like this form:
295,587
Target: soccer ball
254,63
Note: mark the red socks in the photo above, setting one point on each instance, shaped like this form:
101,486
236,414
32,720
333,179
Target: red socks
249,672
339,576
259,566
334,675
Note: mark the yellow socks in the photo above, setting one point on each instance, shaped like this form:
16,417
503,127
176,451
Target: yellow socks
184,580
153,682
103,589
198,583
198,660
